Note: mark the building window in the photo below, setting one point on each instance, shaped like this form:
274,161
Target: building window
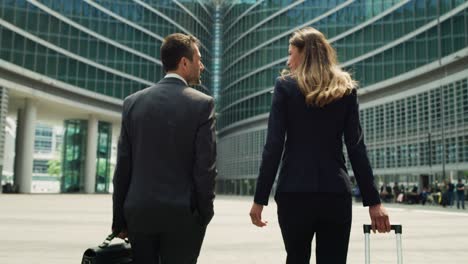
40,166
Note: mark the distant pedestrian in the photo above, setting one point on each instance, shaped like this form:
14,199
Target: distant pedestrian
424,196
460,194
450,191
396,191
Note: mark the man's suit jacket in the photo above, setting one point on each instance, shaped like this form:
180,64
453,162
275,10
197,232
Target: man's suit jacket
311,138
166,161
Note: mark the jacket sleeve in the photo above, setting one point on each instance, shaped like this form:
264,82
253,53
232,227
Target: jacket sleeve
354,140
122,176
204,170
274,145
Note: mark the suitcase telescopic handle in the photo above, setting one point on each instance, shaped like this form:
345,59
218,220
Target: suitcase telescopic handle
396,228
398,232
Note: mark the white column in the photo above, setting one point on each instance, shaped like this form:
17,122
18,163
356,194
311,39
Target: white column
26,146
3,113
91,155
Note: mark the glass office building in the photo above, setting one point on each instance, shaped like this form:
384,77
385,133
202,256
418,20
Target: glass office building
409,56
109,47
105,49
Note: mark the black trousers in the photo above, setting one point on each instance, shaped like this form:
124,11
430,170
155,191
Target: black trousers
168,247
326,215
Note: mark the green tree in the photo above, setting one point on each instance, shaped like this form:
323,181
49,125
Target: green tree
55,168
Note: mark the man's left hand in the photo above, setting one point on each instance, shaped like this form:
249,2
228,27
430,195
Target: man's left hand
256,215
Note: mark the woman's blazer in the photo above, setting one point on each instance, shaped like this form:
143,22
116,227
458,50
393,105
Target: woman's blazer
308,141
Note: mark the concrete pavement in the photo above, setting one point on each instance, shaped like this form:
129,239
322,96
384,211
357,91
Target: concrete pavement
58,228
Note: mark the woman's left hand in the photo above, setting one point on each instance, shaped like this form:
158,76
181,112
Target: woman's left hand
256,215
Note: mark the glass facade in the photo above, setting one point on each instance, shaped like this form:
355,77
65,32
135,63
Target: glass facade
108,47
254,58
111,48
382,43
73,161
413,130
43,139
103,157
74,155
40,166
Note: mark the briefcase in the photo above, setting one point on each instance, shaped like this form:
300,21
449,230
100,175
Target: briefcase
398,232
106,253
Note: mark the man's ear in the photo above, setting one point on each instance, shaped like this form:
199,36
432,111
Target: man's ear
183,61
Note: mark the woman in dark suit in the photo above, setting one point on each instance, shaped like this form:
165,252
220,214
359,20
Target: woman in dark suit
314,105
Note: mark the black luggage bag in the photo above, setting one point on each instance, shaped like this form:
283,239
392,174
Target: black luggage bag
106,253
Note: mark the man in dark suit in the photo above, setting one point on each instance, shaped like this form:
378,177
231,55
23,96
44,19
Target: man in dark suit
165,174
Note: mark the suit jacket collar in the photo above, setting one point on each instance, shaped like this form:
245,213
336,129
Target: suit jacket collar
175,75
172,80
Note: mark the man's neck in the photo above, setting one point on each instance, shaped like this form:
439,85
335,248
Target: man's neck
178,75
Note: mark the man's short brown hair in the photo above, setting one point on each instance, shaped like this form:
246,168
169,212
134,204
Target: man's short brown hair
176,46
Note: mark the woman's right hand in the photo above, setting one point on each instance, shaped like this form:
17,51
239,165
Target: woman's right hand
379,218
256,215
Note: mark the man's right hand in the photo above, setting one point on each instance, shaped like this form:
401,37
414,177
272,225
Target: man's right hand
123,234
205,217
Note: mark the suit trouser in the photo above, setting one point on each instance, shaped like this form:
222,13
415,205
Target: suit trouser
326,215
461,198
180,246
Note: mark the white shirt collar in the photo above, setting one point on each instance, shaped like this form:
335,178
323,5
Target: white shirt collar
175,75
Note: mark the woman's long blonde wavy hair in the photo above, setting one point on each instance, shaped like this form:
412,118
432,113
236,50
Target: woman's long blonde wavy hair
318,75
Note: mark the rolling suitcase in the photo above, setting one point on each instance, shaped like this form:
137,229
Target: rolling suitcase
398,232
